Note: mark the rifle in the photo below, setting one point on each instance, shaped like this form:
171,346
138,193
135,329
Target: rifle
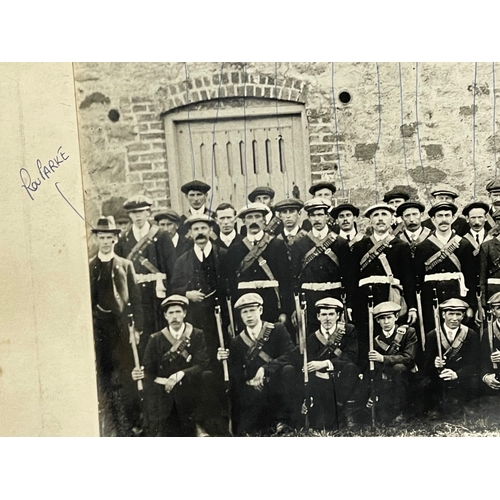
437,325
490,340
343,296
301,320
420,318
299,326
373,396
133,343
232,329
480,310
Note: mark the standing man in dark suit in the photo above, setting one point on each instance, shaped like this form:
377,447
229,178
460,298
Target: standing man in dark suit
150,249
200,275
345,216
196,195
493,188
259,262
324,190
395,197
225,217
475,215
115,295
489,264
288,211
445,262
265,195
384,263
413,233
169,221
263,376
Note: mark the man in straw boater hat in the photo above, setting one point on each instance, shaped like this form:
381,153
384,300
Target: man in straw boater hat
115,295
413,233
259,263
393,355
169,220
200,275
489,262
451,367
345,216
332,354
262,372
321,262
445,262
177,384
196,193
382,266
151,250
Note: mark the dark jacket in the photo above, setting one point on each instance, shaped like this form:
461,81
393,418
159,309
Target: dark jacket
489,258
405,354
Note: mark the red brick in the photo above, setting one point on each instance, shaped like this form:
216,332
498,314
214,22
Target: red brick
230,91
225,78
258,92
235,77
204,95
241,90
250,90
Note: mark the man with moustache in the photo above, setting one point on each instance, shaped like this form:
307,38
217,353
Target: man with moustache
395,197
490,350
384,263
451,381
265,195
489,263
200,275
225,217
321,262
258,263
324,190
153,254
445,262
410,213
475,214
196,193
169,221
493,188
345,216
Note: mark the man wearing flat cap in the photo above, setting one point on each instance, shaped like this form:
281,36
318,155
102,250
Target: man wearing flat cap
259,263
265,195
345,216
122,220
225,217
332,354
288,211
451,380
444,192
324,190
445,262
262,372
115,295
395,197
153,254
321,262
200,275
493,188
489,263
177,384
196,195
490,349
169,221
393,355
382,264
410,213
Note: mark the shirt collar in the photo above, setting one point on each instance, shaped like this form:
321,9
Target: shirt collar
253,333
451,334
140,233
206,251
255,237
200,211
228,238
327,334
380,237
480,233
414,235
175,239
444,239
390,334
321,235
105,257
177,335
351,233
293,232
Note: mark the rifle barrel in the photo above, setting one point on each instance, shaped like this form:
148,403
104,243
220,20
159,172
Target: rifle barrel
133,343
218,320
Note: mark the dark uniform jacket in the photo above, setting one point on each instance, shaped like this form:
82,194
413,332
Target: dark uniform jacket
182,229
221,244
393,354
183,245
413,243
489,260
460,225
486,363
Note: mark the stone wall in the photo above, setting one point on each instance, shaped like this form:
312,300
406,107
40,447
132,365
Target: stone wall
409,124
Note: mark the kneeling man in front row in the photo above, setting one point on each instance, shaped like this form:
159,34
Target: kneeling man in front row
263,378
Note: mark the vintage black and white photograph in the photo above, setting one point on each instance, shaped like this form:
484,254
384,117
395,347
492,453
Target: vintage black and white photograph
293,249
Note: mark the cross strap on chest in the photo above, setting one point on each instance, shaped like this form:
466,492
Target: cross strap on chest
453,349
179,346
376,250
395,346
334,342
255,347
446,251
321,247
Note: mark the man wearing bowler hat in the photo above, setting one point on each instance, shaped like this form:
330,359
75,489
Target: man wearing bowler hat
169,220
413,233
383,264
115,295
259,263
200,275
445,262
451,380
345,216
177,384
262,372
196,193
151,250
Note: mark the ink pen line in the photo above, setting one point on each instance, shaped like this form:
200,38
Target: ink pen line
336,130
379,132
402,122
494,118
193,163
69,203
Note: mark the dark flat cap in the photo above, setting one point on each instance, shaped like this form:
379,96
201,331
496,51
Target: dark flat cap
454,305
169,214
493,185
443,205
410,204
322,185
344,206
289,203
122,216
396,193
444,189
261,190
137,202
475,204
106,225
195,185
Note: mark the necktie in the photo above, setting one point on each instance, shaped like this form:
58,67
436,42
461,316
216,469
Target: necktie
477,238
348,237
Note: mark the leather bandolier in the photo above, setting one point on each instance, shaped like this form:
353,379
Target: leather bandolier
334,342
255,348
321,248
179,347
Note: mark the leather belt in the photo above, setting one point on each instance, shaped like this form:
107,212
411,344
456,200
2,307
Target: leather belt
323,375
493,281
387,280
147,278
447,277
252,285
329,285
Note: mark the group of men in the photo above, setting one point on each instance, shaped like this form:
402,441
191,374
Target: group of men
208,326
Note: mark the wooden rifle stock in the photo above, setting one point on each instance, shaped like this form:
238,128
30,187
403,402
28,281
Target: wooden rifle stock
490,337
421,319
344,302
218,320
437,324
229,304
373,396
301,308
133,343
480,310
